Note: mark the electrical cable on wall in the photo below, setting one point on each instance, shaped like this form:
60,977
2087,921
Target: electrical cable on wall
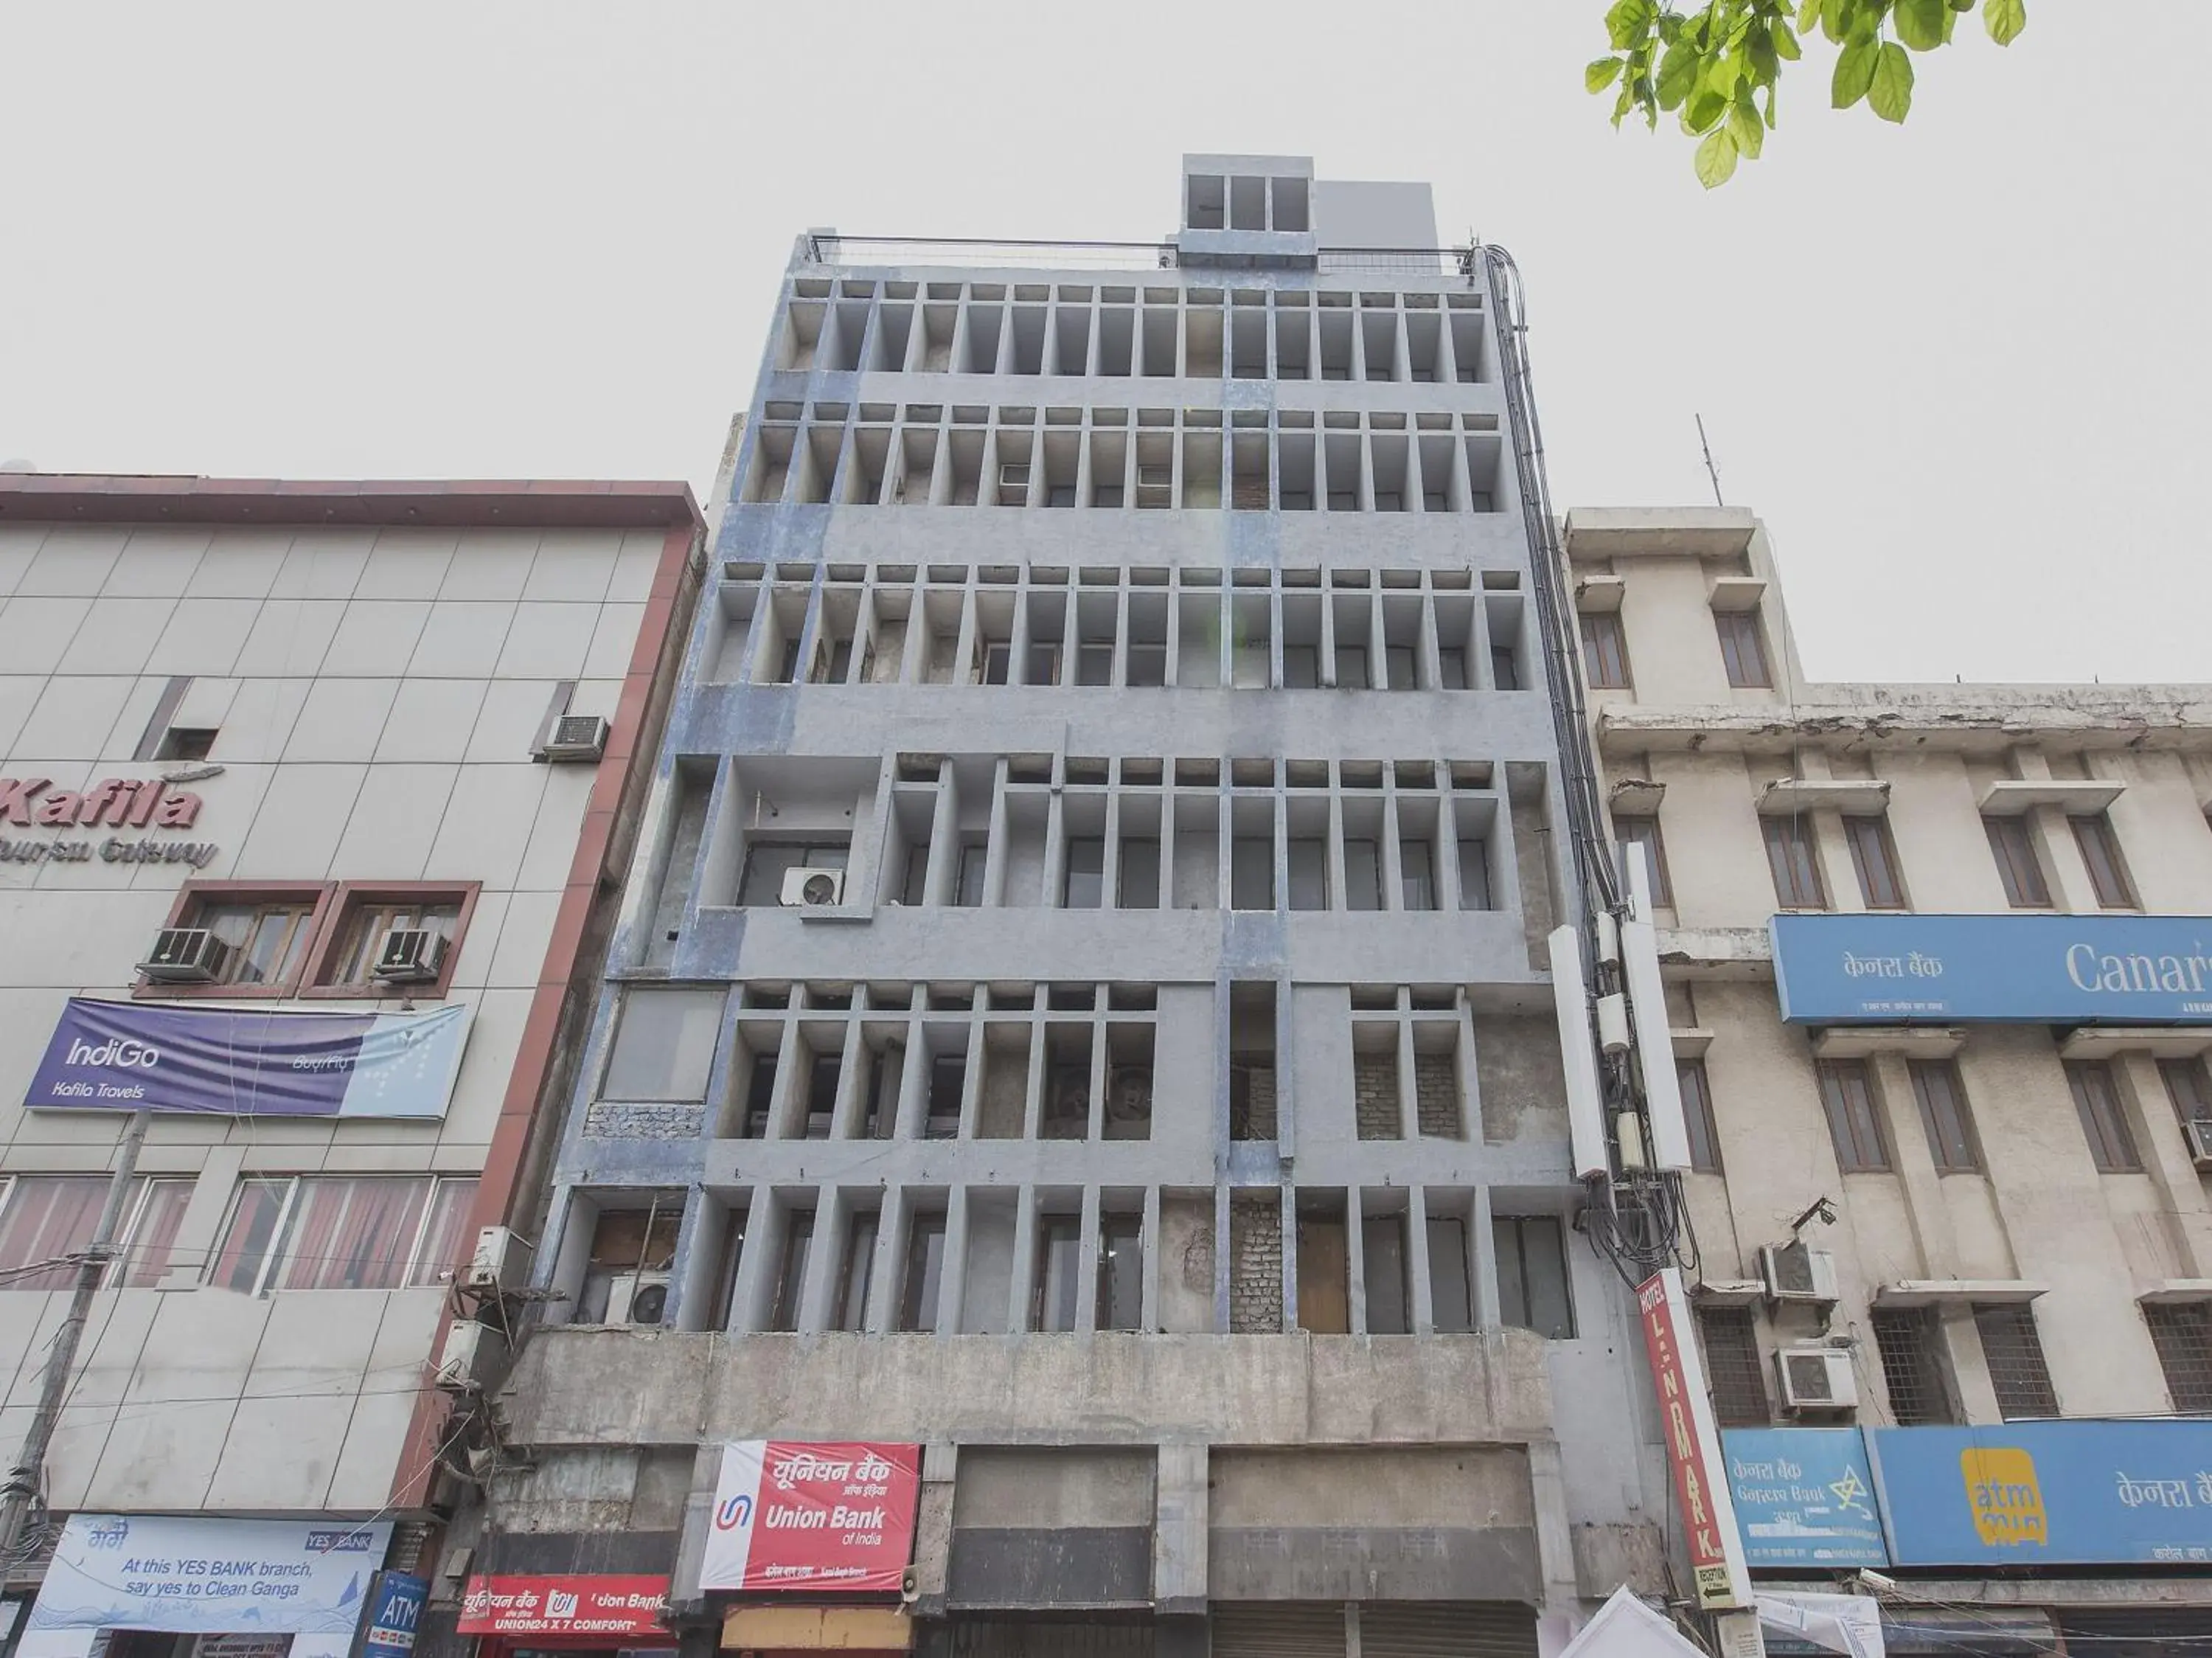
1636,1215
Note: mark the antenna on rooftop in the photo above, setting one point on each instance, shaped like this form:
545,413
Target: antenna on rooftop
1711,471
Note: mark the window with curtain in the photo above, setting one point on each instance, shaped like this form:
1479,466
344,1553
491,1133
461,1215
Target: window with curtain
47,1218
344,1232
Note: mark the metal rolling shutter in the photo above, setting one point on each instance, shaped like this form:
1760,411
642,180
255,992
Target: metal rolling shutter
1471,1630
1277,1630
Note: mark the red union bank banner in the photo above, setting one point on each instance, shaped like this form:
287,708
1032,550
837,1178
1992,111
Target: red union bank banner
625,1607
792,1516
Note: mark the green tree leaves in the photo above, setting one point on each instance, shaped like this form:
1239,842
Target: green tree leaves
1716,68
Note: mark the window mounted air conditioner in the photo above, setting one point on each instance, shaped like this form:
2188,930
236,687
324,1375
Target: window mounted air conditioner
1796,1272
185,955
576,737
2199,1136
806,888
638,1298
1816,1379
409,955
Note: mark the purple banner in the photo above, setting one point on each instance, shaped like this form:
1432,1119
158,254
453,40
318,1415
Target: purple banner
230,1062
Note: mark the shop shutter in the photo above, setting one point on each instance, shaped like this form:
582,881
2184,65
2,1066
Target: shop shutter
1277,1630
1472,1630
1038,1638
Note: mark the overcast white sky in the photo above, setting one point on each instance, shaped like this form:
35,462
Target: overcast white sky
1961,368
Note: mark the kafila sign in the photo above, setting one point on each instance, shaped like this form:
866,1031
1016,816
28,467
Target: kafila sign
230,1062
823,1517
125,803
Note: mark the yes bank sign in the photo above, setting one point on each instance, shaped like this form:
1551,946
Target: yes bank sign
2031,969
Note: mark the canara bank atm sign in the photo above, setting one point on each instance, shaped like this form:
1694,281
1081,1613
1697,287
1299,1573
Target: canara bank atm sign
2038,969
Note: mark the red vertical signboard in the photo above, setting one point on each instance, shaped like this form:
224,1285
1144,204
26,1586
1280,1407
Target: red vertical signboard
1694,1447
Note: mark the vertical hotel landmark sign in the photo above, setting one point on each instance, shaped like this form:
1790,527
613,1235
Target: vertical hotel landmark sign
1694,1444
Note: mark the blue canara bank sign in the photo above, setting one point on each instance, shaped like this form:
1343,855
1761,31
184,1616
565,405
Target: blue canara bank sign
2035,969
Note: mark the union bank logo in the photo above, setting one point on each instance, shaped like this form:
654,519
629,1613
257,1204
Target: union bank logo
2006,1497
734,1514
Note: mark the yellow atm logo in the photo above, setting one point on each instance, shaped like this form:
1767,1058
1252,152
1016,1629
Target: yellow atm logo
2006,1497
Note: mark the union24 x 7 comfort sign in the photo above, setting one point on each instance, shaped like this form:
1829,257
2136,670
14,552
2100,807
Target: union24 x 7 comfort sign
2037,969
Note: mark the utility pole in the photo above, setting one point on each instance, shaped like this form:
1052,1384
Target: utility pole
27,1477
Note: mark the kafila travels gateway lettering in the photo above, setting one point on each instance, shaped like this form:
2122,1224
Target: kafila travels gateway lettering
110,803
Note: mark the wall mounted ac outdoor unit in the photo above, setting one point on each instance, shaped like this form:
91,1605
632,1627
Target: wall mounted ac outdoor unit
472,1351
576,737
185,955
502,1262
1795,1272
813,889
637,1298
1816,1379
409,955
2199,1136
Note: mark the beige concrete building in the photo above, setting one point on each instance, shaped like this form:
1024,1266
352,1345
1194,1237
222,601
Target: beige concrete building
1984,1054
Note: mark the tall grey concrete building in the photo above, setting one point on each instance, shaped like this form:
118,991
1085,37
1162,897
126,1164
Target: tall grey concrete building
1079,1014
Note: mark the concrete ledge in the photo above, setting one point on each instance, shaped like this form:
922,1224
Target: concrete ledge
1660,532
657,1387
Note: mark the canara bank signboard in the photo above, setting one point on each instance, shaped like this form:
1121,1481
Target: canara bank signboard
2038,969
793,1515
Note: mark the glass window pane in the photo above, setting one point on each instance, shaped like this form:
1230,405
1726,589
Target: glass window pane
1697,1115
1085,886
1451,1293
446,1243
925,1269
2103,1120
1251,873
49,1216
151,1241
1644,833
1139,884
2017,868
2101,852
1874,858
1475,874
251,1237
664,1046
1120,1272
1418,874
1309,875
1362,875
1942,1098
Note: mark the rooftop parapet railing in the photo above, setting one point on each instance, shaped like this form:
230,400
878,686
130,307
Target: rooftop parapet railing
967,253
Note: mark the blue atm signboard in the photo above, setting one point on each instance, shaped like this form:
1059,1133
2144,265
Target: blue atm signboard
2031,969
1804,1497
2047,1493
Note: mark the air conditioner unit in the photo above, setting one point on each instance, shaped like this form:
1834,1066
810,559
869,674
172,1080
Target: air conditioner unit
185,955
1795,1272
808,888
576,737
1816,1379
409,955
502,1262
472,1353
2199,1136
637,1298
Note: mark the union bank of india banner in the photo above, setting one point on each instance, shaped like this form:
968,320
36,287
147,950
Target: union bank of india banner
790,1515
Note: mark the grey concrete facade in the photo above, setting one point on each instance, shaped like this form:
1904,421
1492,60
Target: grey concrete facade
1154,1112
